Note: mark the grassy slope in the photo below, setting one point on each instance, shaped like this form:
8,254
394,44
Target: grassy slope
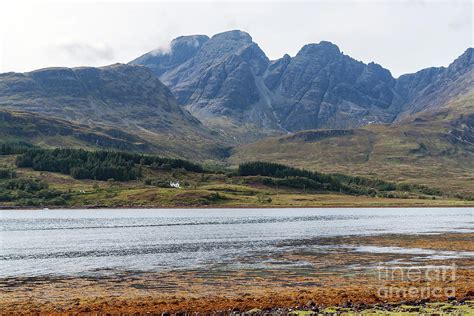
47,131
419,150
203,190
53,132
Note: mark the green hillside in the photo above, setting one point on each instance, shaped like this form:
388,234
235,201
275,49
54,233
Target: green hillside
433,148
35,177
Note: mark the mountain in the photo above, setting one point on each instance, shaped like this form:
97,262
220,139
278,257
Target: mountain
126,101
227,81
219,79
117,94
240,96
323,88
430,88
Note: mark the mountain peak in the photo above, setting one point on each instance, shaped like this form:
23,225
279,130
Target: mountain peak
323,47
463,62
234,35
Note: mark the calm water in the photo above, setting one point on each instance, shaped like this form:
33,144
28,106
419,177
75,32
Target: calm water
69,242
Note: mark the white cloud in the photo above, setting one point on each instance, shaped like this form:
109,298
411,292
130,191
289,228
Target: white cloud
163,49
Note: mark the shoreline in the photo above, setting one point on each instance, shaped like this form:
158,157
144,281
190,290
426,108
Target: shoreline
91,207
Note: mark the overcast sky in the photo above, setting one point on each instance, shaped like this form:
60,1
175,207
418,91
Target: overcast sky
403,36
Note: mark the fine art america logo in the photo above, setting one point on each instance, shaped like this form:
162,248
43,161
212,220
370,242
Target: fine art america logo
416,282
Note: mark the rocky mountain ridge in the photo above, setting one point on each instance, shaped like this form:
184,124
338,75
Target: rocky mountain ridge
229,76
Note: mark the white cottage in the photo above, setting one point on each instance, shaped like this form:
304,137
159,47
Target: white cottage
174,184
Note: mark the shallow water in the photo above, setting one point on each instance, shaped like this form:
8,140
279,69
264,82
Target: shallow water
70,242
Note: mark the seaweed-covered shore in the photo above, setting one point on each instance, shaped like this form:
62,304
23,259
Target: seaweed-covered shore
293,282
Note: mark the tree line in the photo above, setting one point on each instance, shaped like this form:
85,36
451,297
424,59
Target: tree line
300,178
97,165
31,192
14,148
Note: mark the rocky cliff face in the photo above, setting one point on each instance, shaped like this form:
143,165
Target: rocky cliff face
321,87
228,76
